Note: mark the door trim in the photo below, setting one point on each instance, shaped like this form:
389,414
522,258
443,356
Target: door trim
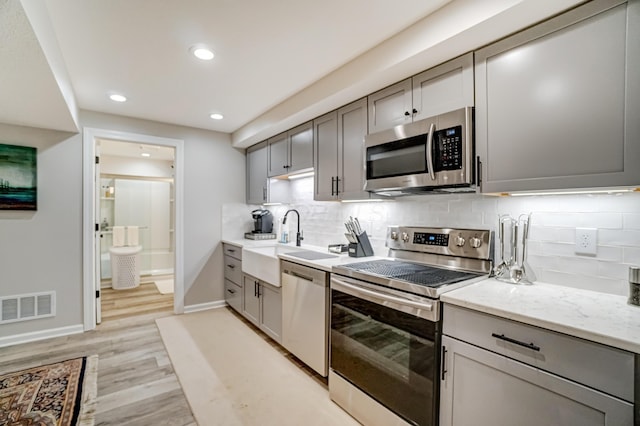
88,192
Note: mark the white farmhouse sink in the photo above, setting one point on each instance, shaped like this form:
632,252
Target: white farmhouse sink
263,262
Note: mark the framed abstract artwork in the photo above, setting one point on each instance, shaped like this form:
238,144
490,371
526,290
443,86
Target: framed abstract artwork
18,178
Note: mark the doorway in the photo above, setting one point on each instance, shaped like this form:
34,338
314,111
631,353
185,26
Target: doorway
99,211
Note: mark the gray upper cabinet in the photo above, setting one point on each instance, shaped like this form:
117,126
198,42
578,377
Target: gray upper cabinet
291,151
390,107
444,88
557,105
339,153
261,189
257,174
441,89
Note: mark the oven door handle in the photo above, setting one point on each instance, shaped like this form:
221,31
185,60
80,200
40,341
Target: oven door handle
375,297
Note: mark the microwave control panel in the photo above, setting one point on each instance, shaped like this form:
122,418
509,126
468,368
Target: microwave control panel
449,149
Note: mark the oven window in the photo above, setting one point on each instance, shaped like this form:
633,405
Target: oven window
390,355
404,157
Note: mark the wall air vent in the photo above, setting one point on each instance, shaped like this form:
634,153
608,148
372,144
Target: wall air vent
25,307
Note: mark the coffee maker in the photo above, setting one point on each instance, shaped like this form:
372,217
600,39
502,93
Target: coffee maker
262,221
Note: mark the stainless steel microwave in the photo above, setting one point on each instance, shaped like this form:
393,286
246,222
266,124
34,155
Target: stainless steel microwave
434,154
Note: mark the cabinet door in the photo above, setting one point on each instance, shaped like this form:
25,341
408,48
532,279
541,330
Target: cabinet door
250,299
390,107
444,88
271,313
557,105
300,147
481,388
325,148
352,128
278,155
257,161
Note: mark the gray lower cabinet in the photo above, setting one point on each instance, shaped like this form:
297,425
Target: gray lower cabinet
499,372
339,153
446,87
261,189
291,151
233,276
557,105
263,306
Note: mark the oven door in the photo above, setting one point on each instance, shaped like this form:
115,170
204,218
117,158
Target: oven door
379,345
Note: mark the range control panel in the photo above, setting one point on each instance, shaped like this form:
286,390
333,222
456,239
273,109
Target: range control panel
473,243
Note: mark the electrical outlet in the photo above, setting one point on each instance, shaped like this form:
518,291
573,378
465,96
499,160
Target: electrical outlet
586,241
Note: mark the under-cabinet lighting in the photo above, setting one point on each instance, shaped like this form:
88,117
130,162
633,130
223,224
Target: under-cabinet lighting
271,204
579,192
300,176
146,154
372,200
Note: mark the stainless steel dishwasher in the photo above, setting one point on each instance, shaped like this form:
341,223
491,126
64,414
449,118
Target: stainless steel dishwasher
305,314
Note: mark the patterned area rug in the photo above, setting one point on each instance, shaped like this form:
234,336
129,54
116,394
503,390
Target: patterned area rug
61,394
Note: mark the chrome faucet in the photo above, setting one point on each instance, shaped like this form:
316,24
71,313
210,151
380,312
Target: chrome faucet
299,236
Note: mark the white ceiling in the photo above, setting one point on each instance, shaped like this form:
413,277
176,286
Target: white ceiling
265,51
277,63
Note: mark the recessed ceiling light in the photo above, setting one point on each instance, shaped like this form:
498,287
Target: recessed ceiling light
146,154
117,98
217,116
202,53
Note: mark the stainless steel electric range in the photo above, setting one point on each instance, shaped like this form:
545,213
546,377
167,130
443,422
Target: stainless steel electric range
386,322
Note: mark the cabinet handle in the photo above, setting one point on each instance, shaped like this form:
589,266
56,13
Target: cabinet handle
415,111
333,179
231,250
337,185
231,291
231,266
443,368
406,113
516,342
479,171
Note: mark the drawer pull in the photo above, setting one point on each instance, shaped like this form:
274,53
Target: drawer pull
231,291
516,342
231,266
231,250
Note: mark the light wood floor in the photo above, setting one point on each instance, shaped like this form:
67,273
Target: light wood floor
137,385
141,300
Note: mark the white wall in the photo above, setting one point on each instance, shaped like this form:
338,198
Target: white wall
42,251
551,248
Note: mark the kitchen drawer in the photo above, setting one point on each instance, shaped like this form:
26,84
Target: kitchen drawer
592,364
233,295
233,251
233,269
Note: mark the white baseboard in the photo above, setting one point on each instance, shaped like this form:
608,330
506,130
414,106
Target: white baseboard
40,335
204,306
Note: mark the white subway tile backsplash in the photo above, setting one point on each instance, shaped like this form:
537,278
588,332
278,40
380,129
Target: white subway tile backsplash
551,246
631,256
631,220
625,238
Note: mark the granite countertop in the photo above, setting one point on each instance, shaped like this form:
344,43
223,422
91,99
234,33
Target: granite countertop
598,317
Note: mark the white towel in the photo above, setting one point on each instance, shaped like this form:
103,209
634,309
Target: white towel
118,236
132,236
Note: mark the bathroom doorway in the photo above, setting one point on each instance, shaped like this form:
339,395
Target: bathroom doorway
132,184
136,194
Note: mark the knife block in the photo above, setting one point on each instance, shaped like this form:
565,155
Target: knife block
362,248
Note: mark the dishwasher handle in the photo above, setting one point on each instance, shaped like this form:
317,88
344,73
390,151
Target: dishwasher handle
312,275
298,275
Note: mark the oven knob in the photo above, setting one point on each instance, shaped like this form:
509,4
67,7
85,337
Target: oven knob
475,242
459,241
405,237
394,235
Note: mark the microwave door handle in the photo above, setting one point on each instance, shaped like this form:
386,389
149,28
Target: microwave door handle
432,172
